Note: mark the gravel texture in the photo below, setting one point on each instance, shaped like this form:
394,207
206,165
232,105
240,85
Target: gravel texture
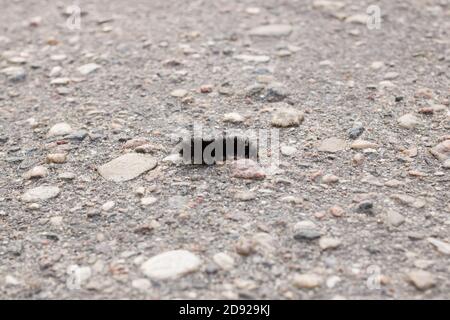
359,206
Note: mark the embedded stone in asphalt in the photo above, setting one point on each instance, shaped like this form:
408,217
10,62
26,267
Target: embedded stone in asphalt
274,30
127,167
40,193
171,264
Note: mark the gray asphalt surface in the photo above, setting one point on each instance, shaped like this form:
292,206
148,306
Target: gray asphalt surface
339,220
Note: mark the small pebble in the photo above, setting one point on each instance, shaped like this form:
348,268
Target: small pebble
307,281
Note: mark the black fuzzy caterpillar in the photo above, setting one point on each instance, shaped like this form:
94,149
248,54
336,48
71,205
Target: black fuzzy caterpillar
210,150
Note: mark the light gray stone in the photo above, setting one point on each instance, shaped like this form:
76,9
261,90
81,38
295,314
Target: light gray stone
88,68
327,243
394,218
332,145
408,121
422,280
233,117
223,260
273,30
141,284
127,167
36,172
171,265
441,151
60,129
307,281
252,58
441,246
14,74
288,150
41,193
287,117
